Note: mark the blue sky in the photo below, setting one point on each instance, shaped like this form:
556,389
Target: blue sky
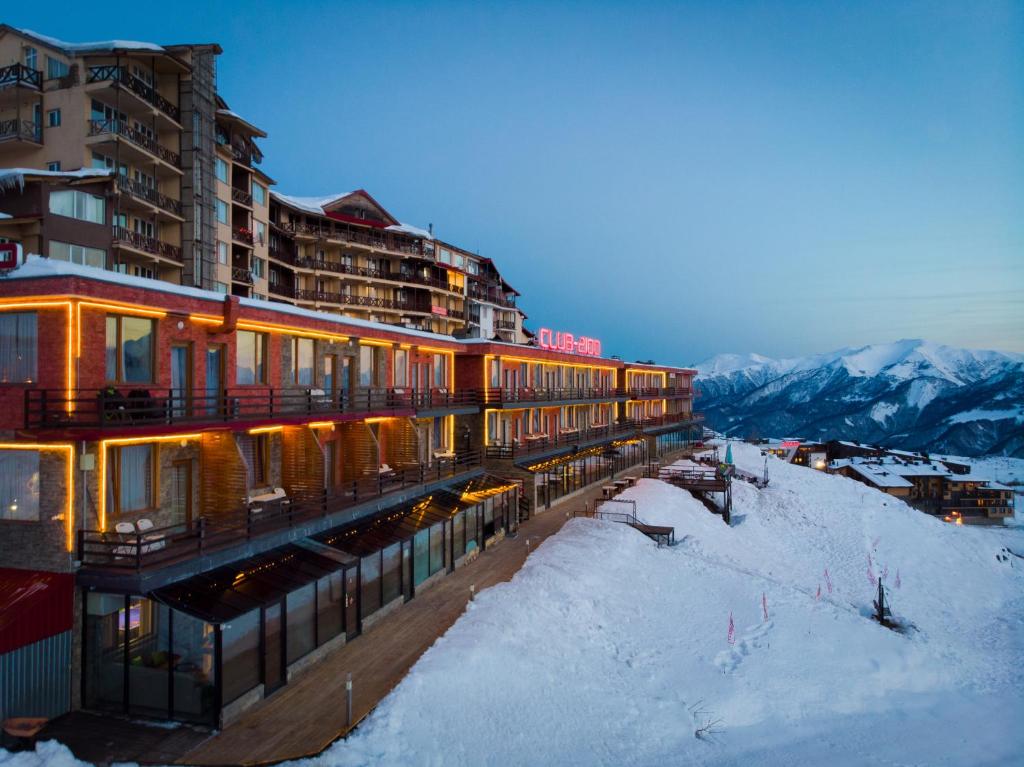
677,179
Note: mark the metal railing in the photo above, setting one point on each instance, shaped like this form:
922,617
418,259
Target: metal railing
19,74
671,418
146,92
241,196
527,394
114,409
242,274
383,240
639,392
147,193
241,234
565,437
139,138
147,244
162,546
21,129
304,294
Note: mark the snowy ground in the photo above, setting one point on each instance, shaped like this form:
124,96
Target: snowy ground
606,650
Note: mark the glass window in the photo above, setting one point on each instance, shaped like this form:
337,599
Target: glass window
222,252
301,622
439,370
302,361
391,574
367,366
53,118
436,548
78,254
459,533
371,584
221,169
259,194
330,596
30,57
222,211
251,351
259,232
401,367
75,204
420,555
129,349
194,673
220,287
130,478
240,662
103,663
19,485
18,347
149,657
255,449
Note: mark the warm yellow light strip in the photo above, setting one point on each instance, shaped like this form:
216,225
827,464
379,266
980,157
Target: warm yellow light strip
265,429
366,342
451,433
69,461
123,308
553,362
320,424
126,441
267,327
206,319
378,419
46,303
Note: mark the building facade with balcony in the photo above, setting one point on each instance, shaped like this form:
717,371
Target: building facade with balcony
239,486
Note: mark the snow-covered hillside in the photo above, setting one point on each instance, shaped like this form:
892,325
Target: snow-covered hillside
606,650
603,647
911,394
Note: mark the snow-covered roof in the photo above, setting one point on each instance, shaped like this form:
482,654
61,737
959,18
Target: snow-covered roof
238,118
309,204
655,367
15,177
415,231
877,475
101,45
36,267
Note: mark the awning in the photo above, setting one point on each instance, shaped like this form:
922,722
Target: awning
34,605
403,521
227,592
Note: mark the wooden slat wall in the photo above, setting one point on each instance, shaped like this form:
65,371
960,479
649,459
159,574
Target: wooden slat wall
358,451
223,481
399,443
302,463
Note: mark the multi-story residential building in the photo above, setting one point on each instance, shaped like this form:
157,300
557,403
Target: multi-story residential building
209,492
184,202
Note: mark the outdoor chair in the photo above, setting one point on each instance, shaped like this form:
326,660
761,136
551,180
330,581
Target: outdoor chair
152,541
126,534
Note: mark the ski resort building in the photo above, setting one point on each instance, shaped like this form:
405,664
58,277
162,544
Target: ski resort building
234,487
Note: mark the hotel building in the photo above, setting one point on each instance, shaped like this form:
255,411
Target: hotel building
236,427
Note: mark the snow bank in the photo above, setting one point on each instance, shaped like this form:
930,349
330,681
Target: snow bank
603,647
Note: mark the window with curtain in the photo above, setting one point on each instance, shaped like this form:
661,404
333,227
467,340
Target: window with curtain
367,366
129,349
439,376
18,347
251,350
80,205
78,254
19,485
130,478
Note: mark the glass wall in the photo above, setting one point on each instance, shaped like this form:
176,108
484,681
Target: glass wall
370,566
104,651
391,575
240,664
561,477
193,670
301,622
436,548
421,556
330,598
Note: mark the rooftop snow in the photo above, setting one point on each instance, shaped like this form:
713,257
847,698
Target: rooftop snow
415,231
309,204
15,177
103,45
37,267
877,475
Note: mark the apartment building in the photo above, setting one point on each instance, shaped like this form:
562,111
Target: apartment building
209,492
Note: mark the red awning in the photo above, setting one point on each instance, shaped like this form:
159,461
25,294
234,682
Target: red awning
34,605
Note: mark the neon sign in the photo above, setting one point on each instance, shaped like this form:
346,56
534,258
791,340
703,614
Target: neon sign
567,342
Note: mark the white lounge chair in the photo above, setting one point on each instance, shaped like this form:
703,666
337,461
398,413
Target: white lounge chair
153,541
127,535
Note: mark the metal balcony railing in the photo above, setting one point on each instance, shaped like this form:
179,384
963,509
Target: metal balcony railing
124,78
536,443
140,139
147,244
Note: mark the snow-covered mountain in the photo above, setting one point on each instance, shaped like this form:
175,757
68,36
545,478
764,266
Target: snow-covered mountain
911,394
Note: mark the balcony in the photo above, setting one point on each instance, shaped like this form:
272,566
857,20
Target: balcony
160,547
534,444
20,76
284,291
241,196
649,392
14,131
242,274
671,420
147,194
370,302
110,409
371,238
505,324
127,238
524,397
121,77
242,235
118,129
492,297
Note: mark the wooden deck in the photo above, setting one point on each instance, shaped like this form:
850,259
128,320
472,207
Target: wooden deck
307,715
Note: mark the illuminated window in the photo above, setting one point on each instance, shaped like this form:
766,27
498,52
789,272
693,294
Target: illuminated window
251,352
19,485
18,345
130,471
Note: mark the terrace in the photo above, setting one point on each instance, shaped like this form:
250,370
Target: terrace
526,396
365,236
108,410
660,393
534,445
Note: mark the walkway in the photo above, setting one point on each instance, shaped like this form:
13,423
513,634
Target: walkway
307,715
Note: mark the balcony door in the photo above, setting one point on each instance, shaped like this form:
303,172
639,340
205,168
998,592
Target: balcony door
181,491
181,380
214,377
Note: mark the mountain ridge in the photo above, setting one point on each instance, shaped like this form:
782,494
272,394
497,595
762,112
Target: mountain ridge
911,393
